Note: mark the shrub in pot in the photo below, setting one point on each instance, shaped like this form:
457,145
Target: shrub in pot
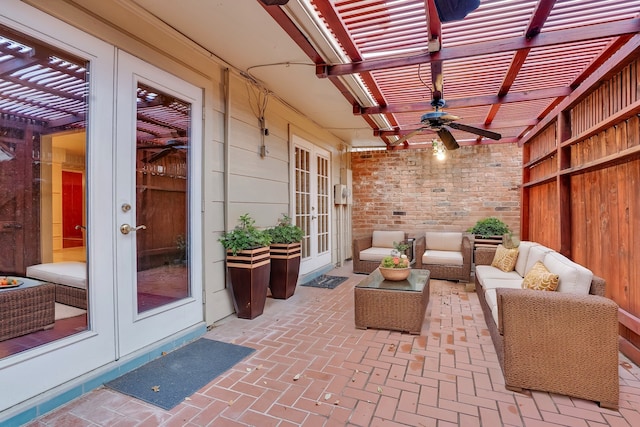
248,266
491,231
285,257
489,227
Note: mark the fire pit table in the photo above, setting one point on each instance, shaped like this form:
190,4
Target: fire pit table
395,305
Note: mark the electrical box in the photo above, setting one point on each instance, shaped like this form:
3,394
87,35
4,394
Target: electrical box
340,194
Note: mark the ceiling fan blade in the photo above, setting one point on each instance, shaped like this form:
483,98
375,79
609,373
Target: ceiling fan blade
406,137
448,118
447,139
477,131
159,155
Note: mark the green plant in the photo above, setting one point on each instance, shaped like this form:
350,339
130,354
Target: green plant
285,231
245,236
395,262
400,246
491,226
181,245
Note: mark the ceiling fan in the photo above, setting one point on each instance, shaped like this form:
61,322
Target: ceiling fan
439,121
170,147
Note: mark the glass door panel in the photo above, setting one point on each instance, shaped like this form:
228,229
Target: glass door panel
162,171
44,101
312,203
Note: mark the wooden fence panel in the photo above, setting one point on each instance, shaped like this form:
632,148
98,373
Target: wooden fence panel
603,172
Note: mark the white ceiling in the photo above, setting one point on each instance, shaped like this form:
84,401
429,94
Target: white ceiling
242,34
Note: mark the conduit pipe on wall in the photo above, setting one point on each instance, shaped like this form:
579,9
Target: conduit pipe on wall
227,149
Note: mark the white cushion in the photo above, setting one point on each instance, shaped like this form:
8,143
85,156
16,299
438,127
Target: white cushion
492,301
523,254
536,253
70,273
443,240
573,278
487,273
442,257
374,254
503,283
385,239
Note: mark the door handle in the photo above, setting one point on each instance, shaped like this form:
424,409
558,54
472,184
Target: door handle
126,228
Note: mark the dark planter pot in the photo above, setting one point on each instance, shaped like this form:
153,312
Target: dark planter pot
249,276
285,266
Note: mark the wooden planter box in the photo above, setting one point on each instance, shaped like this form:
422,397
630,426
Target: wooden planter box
249,276
285,266
484,248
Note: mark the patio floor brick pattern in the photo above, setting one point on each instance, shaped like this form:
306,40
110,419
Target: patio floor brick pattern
312,367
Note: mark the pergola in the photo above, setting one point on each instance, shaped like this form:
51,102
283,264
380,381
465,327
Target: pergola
502,68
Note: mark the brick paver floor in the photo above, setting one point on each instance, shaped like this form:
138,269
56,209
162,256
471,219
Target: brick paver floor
312,367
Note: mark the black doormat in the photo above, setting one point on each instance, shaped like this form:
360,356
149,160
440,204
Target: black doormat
324,281
166,381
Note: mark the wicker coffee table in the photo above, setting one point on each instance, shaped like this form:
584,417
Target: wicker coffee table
27,308
398,306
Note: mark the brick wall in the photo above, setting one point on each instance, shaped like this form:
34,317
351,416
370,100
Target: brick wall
411,190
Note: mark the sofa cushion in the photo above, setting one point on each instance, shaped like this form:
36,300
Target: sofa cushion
375,254
540,279
573,278
385,239
70,273
492,301
523,254
487,272
513,283
443,240
536,253
505,259
442,257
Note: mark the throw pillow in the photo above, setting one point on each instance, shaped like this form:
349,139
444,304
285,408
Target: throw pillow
539,278
505,259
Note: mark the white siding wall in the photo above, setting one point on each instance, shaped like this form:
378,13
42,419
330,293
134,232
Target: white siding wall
258,186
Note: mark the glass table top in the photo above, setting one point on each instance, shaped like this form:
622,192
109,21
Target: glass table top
414,283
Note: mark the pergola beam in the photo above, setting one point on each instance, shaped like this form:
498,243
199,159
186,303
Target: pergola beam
474,101
551,38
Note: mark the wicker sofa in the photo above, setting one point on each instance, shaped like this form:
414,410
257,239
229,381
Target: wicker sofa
446,254
70,278
563,342
367,252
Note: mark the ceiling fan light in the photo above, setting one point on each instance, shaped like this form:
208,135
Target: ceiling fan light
455,10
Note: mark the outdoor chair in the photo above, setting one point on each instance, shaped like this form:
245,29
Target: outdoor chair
447,255
369,251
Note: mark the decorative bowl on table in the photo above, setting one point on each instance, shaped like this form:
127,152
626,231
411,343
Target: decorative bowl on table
395,274
9,282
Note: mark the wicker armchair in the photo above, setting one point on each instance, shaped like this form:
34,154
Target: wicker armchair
447,255
368,251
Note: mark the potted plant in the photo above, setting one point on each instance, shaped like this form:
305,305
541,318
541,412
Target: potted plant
248,266
395,267
489,233
285,252
489,227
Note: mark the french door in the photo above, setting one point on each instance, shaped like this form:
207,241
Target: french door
312,200
158,134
